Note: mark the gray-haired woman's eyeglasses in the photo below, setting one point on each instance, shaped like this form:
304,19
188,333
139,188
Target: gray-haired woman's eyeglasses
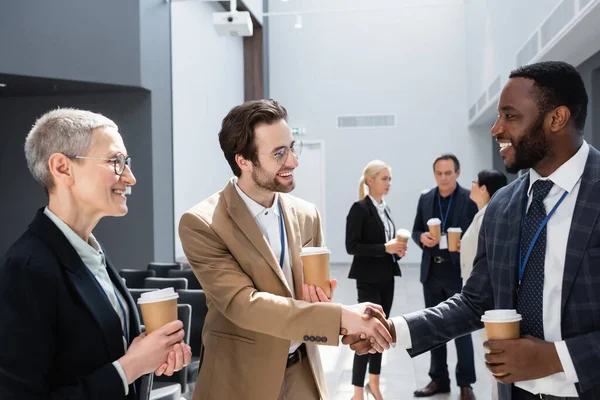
119,161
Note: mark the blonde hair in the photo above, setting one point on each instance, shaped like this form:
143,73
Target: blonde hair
64,130
371,170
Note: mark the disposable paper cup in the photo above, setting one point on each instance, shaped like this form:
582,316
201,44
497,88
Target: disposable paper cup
435,228
315,262
158,307
502,325
402,235
453,238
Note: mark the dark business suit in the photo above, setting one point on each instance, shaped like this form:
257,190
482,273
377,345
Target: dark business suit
493,282
372,267
59,333
443,279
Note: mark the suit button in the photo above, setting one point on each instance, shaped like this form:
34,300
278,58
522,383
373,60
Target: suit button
324,339
312,338
318,339
306,338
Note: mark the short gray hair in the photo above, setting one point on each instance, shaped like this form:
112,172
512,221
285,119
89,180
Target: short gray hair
64,130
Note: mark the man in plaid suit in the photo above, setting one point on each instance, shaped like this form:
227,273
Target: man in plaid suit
542,112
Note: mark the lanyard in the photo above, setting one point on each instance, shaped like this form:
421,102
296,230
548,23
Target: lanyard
281,236
124,329
444,217
523,261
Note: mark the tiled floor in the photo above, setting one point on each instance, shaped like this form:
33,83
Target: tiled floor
400,375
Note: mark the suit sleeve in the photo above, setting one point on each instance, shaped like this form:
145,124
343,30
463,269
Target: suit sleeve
354,240
28,333
585,355
419,225
318,234
233,293
457,316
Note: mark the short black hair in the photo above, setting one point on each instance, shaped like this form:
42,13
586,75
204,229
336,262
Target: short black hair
492,180
558,84
448,156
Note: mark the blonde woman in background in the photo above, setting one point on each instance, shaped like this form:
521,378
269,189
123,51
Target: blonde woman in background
371,239
482,190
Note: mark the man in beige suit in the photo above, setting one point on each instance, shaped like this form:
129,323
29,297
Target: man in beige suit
260,337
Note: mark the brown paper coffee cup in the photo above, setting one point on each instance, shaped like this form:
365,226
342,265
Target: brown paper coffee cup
402,235
502,325
453,238
315,262
158,307
435,228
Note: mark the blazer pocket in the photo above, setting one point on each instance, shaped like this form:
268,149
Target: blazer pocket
232,337
309,243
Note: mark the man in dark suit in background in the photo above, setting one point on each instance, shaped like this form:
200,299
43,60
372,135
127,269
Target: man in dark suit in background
440,269
552,213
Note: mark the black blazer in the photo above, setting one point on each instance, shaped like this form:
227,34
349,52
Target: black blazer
462,211
59,334
365,240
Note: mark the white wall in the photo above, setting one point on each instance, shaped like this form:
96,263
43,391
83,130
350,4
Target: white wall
409,62
207,83
495,32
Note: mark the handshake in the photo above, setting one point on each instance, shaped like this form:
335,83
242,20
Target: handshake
366,329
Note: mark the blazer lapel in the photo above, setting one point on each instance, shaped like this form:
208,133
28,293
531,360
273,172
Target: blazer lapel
245,221
294,239
375,215
515,210
458,204
90,293
133,315
587,209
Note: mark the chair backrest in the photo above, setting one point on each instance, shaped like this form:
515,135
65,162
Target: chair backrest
184,314
134,278
162,269
197,299
193,282
161,283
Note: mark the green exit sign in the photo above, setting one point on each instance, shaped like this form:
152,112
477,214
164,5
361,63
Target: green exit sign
298,131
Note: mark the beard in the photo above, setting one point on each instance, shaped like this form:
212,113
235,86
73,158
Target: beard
269,181
532,148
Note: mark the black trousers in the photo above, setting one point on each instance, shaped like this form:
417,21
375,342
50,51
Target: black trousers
441,284
520,394
378,293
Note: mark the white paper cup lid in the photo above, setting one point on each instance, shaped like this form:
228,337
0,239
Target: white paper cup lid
501,316
309,251
454,230
434,221
405,233
158,295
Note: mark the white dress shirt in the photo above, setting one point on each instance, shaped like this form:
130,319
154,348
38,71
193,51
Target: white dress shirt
566,178
268,221
381,210
93,257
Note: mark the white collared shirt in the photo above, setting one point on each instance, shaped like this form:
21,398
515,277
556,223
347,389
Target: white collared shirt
93,257
387,224
268,221
566,178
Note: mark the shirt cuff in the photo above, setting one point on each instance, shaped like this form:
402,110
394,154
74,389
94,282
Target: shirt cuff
119,369
566,361
402,332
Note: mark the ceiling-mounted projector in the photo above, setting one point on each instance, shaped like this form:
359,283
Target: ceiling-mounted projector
233,23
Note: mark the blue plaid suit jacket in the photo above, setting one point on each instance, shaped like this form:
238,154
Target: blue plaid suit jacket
494,280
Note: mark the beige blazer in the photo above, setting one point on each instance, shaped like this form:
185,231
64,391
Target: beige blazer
251,315
468,245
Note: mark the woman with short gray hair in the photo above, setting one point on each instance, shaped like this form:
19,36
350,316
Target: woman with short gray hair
70,329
